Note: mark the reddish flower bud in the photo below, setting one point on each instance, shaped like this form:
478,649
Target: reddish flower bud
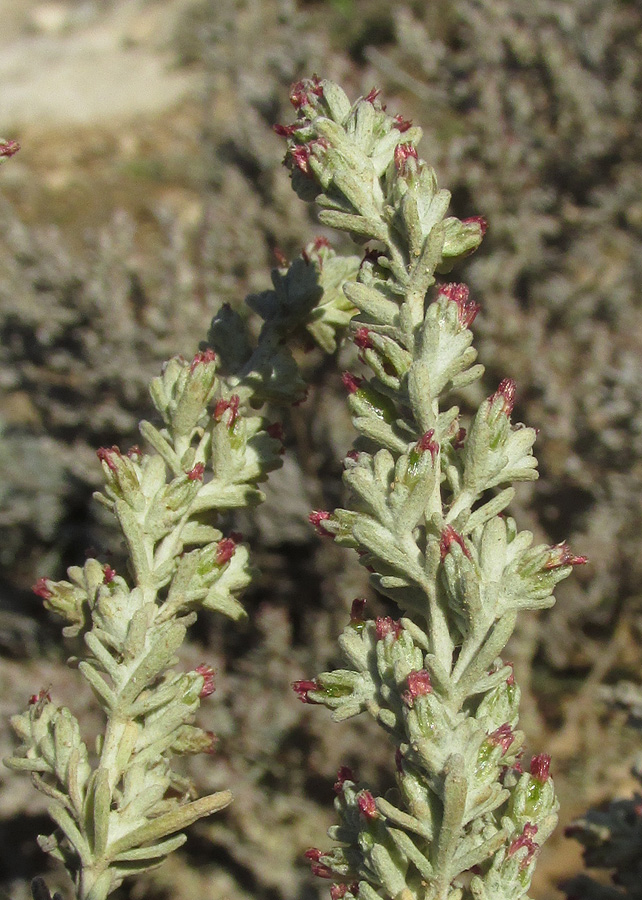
511,678
448,537
351,382
357,610
362,338
467,309
225,550
41,589
196,474
525,839
203,356
352,455
288,131
317,867
506,394
223,405
301,92
426,443
208,680
43,696
135,453
401,124
109,455
385,625
404,152
502,737
540,767
418,686
317,517
344,774
302,688
338,891
560,555
8,148
476,220
109,574
315,247
367,805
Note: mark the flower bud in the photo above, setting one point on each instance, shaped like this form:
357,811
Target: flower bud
302,690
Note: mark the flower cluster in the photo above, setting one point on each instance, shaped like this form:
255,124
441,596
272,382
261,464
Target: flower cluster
123,809
426,514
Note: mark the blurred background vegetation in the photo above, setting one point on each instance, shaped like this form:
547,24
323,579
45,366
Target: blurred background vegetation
149,189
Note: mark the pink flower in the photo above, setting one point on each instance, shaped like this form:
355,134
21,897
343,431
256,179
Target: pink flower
426,443
317,517
318,868
448,537
108,574
109,455
502,737
203,356
525,839
302,689
316,246
223,405
385,625
208,680
8,148
476,220
540,767
367,805
43,696
362,338
351,382
288,131
418,686
401,124
225,550
196,474
505,394
404,152
560,555
41,589
302,92
344,774
467,309
372,96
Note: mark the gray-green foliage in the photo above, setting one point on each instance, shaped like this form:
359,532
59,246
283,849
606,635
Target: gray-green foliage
122,809
426,515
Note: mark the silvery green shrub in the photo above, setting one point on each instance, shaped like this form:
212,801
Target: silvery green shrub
121,808
427,494
426,513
